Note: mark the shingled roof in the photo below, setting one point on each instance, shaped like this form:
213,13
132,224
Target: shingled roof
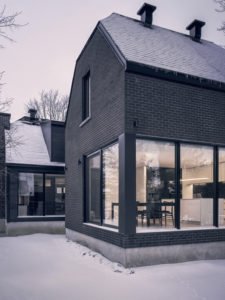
30,147
164,49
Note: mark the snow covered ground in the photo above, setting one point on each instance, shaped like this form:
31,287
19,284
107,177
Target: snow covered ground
45,267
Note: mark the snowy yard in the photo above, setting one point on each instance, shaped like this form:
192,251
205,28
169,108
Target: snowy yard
45,266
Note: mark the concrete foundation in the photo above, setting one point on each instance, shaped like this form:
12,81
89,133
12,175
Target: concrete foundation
136,257
2,226
23,228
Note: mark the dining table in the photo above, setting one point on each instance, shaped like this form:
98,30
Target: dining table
150,206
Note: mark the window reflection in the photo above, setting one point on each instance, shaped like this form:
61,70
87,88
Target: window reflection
110,169
196,202
30,202
54,194
155,184
93,189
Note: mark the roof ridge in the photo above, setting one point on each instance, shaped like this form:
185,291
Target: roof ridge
157,26
165,48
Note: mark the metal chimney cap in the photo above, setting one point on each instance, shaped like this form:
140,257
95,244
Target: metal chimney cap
32,110
145,7
32,113
195,23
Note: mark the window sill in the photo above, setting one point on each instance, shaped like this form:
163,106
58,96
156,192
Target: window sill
37,218
148,230
101,227
84,122
46,216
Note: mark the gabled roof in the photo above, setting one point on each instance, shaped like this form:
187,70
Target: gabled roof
29,147
165,49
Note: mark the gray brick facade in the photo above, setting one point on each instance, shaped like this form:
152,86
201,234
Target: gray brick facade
105,125
174,110
126,102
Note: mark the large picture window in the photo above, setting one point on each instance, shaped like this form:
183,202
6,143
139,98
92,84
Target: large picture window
41,194
176,186
155,184
110,188
102,186
30,202
196,204
93,182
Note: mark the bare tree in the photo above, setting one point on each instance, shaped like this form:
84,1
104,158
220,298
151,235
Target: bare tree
221,8
4,103
50,105
6,23
12,140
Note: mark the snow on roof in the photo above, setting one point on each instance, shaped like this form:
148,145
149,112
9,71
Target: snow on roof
29,145
163,48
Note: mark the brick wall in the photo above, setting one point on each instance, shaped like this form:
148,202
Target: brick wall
105,125
4,124
174,110
161,108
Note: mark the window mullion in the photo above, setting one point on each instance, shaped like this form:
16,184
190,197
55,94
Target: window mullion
177,185
43,194
101,187
216,187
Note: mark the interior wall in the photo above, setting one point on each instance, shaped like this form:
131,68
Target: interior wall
141,184
111,192
202,174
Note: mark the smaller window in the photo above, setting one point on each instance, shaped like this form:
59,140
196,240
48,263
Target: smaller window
86,97
30,192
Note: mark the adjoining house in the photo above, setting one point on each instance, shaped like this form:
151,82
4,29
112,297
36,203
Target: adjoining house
4,125
145,143
35,162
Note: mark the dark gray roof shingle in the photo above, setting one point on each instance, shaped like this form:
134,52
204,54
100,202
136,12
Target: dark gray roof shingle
165,49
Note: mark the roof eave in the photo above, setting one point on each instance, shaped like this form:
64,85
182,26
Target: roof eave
174,76
112,44
30,165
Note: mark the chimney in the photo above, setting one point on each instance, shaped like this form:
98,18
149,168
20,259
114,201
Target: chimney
32,113
146,13
196,30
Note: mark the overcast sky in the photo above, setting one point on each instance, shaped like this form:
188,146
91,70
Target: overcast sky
45,51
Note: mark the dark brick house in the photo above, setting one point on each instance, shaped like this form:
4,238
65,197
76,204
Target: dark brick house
4,125
35,176
145,143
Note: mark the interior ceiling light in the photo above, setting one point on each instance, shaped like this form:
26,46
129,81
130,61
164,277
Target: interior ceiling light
203,178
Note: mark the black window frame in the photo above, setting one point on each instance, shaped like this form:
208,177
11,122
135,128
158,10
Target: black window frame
176,174
86,185
86,97
178,143
44,187
85,202
43,193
